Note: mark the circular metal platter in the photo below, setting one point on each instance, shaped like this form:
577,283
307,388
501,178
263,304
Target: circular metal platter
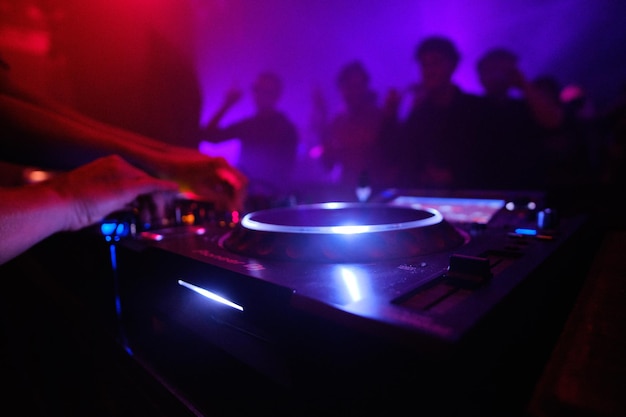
342,232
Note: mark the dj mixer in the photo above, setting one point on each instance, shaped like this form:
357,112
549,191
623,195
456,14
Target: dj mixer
411,294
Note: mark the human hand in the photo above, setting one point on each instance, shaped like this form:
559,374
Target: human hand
205,178
106,185
233,95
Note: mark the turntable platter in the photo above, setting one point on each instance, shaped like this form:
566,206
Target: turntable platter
342,232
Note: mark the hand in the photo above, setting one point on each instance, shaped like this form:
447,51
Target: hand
206,178
108,184
72,201
233,95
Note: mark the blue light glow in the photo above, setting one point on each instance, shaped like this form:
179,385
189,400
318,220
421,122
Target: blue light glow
349,229
527,232
112,230
248,222
113,258
352,284
210,295
107,229
118,302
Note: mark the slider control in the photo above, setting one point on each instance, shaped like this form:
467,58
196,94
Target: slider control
468,271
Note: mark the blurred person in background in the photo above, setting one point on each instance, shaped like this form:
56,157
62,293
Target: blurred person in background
517,117
269,139
353,148
437,139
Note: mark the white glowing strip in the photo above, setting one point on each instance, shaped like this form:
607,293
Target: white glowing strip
210,295
349,230
349,278
248,223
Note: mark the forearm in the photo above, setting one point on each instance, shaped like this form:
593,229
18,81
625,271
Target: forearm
25,218
547,113
34,135
64,112
70,142
214,123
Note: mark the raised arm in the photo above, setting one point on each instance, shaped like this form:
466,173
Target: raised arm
212,129
547,113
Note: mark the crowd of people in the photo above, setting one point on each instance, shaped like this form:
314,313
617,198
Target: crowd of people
519,133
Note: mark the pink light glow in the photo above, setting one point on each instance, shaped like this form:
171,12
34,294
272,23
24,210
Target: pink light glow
31,41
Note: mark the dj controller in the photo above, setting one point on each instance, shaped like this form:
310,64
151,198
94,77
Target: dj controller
412,297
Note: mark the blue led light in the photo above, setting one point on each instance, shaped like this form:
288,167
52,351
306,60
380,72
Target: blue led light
527,232
120,230
107,229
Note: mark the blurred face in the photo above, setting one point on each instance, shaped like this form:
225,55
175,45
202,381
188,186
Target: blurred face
354,89
497,76
436,69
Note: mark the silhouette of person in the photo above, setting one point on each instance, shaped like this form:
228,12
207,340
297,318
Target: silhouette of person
611,123
503,81
351,139
569,151
269,139
516,117
438,136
